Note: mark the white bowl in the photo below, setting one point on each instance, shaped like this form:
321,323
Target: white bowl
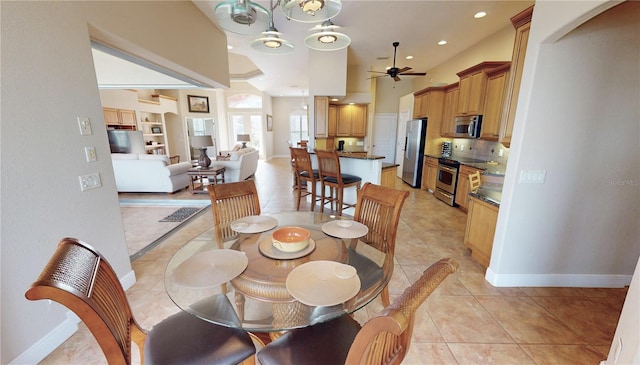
344,223
290,239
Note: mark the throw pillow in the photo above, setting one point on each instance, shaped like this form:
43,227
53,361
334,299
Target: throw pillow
222,158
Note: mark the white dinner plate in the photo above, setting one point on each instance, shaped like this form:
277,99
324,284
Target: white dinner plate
210,268
254,224
323,283
267,249
356,230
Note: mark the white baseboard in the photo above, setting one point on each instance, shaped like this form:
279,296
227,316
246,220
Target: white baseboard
50,341
557,280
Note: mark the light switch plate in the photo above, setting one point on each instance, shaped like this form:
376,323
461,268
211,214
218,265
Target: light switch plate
85,126
90,154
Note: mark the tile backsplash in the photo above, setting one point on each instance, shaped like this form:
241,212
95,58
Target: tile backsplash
479,149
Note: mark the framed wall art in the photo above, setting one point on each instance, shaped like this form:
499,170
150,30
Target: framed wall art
156,130
198,104
269,123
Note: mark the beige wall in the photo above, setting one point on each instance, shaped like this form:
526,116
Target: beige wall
577,119
48,80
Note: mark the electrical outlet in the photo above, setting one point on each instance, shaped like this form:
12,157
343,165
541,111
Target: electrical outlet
85,126
501,153
90,154
461,147
91,181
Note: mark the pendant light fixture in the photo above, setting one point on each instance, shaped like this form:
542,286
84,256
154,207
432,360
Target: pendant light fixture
271,42
310,11
242,16
326,38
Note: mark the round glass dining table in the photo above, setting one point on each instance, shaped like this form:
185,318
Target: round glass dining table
245,282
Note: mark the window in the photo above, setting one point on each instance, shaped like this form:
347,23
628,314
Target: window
244,101
247,123
298,128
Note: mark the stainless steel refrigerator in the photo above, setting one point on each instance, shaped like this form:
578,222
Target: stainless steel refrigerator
414,152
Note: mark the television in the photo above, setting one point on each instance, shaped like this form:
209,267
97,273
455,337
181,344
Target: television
123,141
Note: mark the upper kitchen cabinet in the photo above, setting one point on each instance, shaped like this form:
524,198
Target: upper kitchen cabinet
352,121
420,104
522,23
449,107
496,83
119,118
333,120
321,116
473,88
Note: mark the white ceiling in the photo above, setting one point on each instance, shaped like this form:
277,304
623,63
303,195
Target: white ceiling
373,26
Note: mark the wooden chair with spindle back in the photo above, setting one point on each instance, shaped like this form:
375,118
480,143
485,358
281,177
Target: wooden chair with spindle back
230,202
332,178
474,181
78,277
304,174
378,207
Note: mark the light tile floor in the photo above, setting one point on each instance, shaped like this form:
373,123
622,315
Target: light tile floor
466,321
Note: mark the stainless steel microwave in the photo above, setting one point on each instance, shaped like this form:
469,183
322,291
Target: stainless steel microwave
467,126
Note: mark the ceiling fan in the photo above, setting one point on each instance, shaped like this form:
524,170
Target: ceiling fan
394,71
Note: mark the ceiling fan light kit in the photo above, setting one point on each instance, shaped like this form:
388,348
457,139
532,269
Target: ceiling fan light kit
271,43
394,71
242,16
310,11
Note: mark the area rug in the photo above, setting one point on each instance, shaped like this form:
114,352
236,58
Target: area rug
181,215
145,226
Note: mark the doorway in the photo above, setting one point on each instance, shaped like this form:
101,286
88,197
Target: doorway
200,128
247,123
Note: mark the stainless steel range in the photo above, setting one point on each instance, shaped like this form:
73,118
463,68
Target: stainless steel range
446,180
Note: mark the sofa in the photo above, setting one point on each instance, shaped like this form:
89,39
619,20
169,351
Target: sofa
143,173
239,164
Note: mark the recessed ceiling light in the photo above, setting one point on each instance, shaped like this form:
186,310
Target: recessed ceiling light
229,46
480,14
409,57
442,42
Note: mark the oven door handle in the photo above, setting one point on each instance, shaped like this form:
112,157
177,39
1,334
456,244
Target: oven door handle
448,169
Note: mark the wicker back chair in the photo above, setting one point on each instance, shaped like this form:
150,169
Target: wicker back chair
304,173
384,339
232,201
378,208
331,177
79,278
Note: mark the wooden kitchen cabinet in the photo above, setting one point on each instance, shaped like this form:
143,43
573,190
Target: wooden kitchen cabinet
321,116
420,105
352,121
120,118
522,23
429,173
449,107
496,83
473,88
481,227
333,120
462,186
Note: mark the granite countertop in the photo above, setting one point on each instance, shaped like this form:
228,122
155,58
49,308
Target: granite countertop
490,193
386,165
356,155
490,168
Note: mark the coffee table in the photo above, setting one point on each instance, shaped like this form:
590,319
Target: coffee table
199,173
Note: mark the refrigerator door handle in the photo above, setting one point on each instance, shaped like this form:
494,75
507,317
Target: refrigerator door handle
406,152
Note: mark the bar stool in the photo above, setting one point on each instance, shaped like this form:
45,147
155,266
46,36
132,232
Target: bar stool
303,173
330,176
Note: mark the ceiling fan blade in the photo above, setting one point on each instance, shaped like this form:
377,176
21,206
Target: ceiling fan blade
378,72
404,69
413,74
375,77
396,78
